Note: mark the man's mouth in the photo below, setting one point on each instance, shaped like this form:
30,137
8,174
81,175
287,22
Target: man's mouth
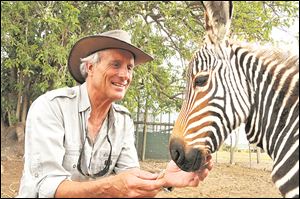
121,85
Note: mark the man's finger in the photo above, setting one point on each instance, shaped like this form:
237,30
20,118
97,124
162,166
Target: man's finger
146,175
194,182
151,185
210,165
203,174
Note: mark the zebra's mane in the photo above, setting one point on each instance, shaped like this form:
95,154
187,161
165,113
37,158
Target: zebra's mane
264,52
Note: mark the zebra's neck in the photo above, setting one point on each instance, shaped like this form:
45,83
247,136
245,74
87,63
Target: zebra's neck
273,82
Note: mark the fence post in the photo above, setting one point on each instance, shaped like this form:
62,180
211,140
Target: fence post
145,133
258,155
137,131
250,155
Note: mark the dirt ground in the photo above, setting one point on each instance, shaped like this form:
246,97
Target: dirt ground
224,181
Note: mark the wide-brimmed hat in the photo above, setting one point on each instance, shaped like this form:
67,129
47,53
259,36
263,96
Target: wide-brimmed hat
112,39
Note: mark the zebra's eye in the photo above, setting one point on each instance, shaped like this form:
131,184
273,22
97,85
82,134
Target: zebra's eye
201,80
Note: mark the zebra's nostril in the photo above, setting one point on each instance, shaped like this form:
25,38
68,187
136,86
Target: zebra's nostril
177,152
177,155
187,159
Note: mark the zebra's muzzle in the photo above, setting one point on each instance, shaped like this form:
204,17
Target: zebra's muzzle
187,158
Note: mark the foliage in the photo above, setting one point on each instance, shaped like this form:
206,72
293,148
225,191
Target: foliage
253,21
37,36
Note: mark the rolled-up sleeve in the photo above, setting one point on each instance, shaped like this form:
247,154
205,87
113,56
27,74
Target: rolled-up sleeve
44,150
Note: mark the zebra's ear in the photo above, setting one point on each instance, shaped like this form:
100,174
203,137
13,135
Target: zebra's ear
217,20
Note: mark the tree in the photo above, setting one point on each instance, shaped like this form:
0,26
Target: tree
36,38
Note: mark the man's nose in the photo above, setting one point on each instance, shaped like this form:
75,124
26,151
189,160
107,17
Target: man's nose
124,72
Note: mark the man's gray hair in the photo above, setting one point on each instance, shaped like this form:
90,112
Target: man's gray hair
92,59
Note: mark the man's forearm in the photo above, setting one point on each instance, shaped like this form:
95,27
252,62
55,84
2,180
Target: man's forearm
98,188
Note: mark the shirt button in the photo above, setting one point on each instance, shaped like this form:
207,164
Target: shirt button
74,166
36,175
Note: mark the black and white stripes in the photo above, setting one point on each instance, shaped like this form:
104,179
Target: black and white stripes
245,86
231,83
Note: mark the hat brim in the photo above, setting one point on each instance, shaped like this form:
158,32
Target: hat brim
88,45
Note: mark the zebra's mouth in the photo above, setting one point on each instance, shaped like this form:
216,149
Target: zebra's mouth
205,162
200,162
187,158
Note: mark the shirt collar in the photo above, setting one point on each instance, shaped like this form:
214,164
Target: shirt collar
84,102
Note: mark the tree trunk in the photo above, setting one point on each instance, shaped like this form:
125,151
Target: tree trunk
19,103
20,98
3,126
9,118
24,108
25,100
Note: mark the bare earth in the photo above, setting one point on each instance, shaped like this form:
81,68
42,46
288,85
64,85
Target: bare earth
224,181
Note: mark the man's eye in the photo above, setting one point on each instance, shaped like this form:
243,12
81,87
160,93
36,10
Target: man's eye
201,80
130,68
116,65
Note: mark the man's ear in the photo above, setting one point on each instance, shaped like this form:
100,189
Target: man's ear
88,67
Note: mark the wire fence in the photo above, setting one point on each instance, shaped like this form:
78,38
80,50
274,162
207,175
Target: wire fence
152,140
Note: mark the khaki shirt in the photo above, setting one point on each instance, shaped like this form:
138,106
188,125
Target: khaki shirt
55,132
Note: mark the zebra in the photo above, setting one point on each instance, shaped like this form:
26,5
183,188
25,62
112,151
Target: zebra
231,83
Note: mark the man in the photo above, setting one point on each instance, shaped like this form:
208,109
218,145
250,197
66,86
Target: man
79,143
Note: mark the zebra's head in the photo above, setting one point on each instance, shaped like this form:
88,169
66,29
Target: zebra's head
200,127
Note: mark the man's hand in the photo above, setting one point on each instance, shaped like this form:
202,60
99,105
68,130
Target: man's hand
135,183
128,184
175,177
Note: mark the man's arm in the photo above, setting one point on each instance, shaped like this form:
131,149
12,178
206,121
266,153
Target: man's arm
132,183
44,150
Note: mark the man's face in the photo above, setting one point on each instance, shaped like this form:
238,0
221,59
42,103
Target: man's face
110,78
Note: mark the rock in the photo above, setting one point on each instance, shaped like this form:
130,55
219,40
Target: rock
20,131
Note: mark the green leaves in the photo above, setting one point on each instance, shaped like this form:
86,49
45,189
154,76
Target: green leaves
254,20
36,38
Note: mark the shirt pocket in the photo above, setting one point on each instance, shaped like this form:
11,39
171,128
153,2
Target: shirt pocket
71,159
36,166
100,159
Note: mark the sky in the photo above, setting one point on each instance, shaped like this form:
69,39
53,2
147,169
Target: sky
288,37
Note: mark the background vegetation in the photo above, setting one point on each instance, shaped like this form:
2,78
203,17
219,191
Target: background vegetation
37,36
